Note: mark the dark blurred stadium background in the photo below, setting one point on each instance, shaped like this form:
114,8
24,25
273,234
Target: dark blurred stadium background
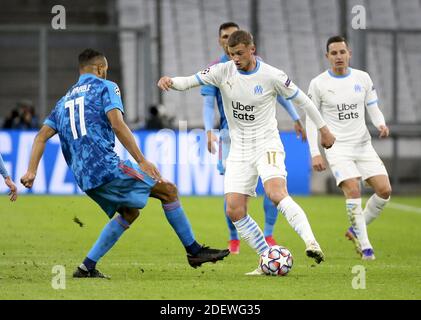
144,39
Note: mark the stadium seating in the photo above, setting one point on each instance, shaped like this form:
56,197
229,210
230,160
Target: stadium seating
292,36
19,65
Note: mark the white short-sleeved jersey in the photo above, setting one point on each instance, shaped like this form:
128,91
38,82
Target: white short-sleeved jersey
342,101
249,100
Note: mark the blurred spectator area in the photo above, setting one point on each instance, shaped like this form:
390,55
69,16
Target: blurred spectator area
20,51
292,36
22,117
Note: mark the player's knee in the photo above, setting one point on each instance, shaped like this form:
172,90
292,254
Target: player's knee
354,193
236,213
385,192
351,190
130,214
170,192
277,196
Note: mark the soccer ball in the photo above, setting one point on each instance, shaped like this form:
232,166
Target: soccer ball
277,261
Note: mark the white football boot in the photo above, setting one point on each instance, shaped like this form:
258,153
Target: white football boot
314,251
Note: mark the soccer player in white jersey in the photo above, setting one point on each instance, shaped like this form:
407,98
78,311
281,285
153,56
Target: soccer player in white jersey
343,94
211,94
249,88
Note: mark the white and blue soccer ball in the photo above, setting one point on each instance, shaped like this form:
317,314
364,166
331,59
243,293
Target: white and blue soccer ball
276,261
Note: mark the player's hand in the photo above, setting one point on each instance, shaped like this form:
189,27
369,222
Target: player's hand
28,179
150,169
212,140
13,194
327,139
299,130
384,131
318,163
165,83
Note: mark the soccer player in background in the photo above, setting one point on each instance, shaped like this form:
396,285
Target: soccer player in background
249,88
87,119
343,94
13,193
211,93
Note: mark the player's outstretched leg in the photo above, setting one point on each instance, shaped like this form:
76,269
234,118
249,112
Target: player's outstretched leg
247,228
359,228
276,190
108,237
234,241
358,231
374,207
297,219
196,253
271,214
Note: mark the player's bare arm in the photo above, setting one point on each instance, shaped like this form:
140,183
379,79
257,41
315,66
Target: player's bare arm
212,140
165,83
384,131
300,130
44,134
125,136
327,139
13,193
318,163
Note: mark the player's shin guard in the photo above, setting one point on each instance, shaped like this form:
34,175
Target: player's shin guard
181,225
374,207
271,214
249,230
356,217
108,237
297,219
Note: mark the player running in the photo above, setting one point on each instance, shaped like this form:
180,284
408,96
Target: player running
87,119
211,93
249,88
343,94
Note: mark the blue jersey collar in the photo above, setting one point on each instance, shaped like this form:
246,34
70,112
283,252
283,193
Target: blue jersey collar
339,76
252,71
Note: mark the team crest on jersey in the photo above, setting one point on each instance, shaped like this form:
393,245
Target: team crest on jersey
258,90
117,91
205,71
357,88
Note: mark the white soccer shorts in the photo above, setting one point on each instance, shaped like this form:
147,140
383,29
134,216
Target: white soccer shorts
242,176
354,162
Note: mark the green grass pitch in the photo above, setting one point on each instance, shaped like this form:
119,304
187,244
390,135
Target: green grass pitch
38,232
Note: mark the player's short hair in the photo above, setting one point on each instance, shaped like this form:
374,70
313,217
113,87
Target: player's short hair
240,36
335,39
227,25
88,56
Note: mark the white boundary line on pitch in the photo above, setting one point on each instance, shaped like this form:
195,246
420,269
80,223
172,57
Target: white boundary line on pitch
404,207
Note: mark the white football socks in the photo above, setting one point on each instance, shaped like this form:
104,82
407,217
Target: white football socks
356,217
374,207
297,218
249,230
